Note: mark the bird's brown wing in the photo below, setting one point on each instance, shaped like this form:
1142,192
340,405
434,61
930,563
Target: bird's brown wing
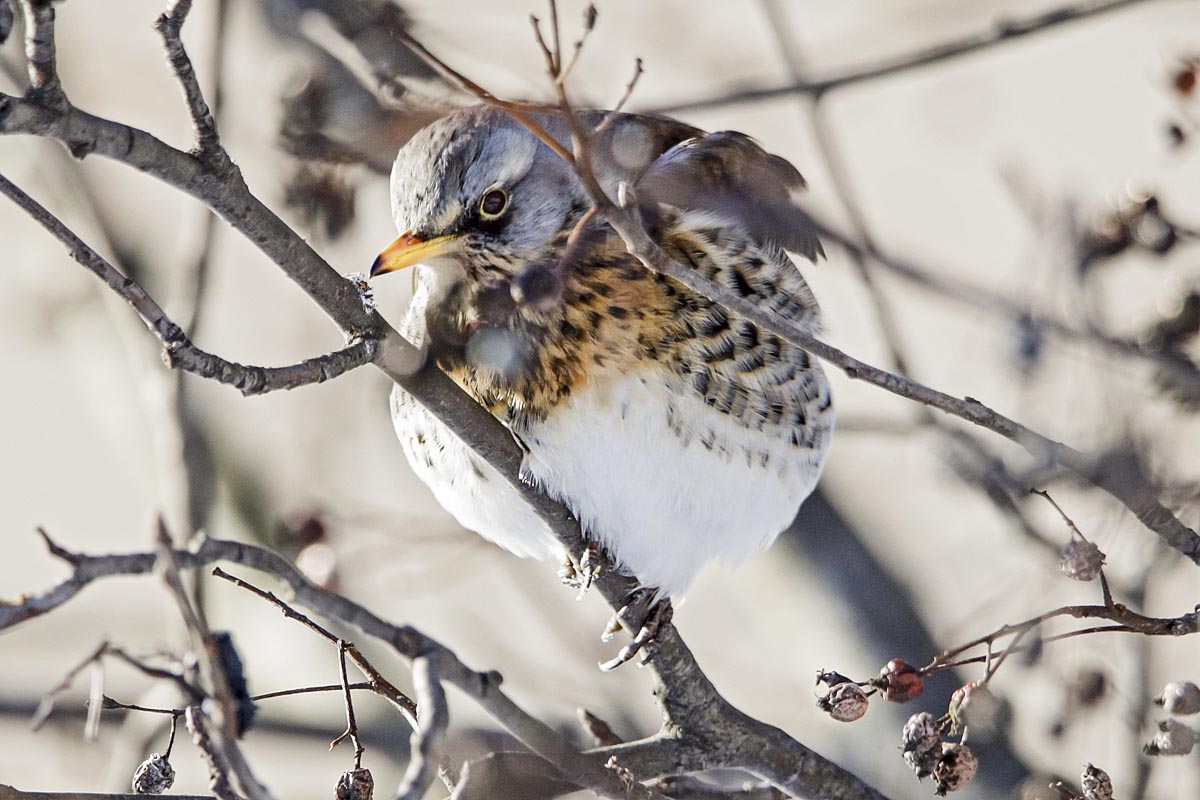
725,173
729,174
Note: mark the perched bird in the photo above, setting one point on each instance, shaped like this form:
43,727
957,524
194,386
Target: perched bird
676,431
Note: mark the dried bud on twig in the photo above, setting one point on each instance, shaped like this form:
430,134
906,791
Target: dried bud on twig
154,775
1080,559
955,768
1095,784
357,784
831,678
899,681
1173,739
845,702
1180,699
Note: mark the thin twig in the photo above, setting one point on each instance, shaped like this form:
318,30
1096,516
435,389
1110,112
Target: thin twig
49,699
171,741
169,24
11,793
178,350
39,51
425,743
351,723
224,740
214,758
378,682
1126,619
1001,32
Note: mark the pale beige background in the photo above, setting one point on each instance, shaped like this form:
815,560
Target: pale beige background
1079,112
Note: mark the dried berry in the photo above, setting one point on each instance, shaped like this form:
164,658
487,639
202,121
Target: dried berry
1180,698
154,775
954,769
1173,739
921,733
1185,79
922,763
356,784
899,681
966,701
1095,784
1176,135
1087,687
1080,559
845,702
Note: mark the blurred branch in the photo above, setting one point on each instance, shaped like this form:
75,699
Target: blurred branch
222,742
12,793
1001,32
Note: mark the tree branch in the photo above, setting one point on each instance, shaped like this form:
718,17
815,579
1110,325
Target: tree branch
426,740
583,769
1001,32
39,51
169,25
178,350
11,793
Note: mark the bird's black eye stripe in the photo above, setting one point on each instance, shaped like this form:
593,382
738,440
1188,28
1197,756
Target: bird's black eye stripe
493,203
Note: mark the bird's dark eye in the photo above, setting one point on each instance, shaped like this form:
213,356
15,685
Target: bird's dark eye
493,203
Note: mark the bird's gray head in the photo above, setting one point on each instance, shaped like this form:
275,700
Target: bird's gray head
477,188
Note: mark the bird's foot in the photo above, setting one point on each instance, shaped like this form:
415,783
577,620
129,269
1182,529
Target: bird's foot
658,616
583,576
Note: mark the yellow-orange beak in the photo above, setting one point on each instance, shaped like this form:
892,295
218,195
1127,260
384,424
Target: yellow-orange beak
408,250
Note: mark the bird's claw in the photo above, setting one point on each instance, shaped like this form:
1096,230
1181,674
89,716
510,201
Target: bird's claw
658,617
583,576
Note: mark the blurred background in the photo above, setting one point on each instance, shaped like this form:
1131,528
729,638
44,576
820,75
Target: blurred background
1055,175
